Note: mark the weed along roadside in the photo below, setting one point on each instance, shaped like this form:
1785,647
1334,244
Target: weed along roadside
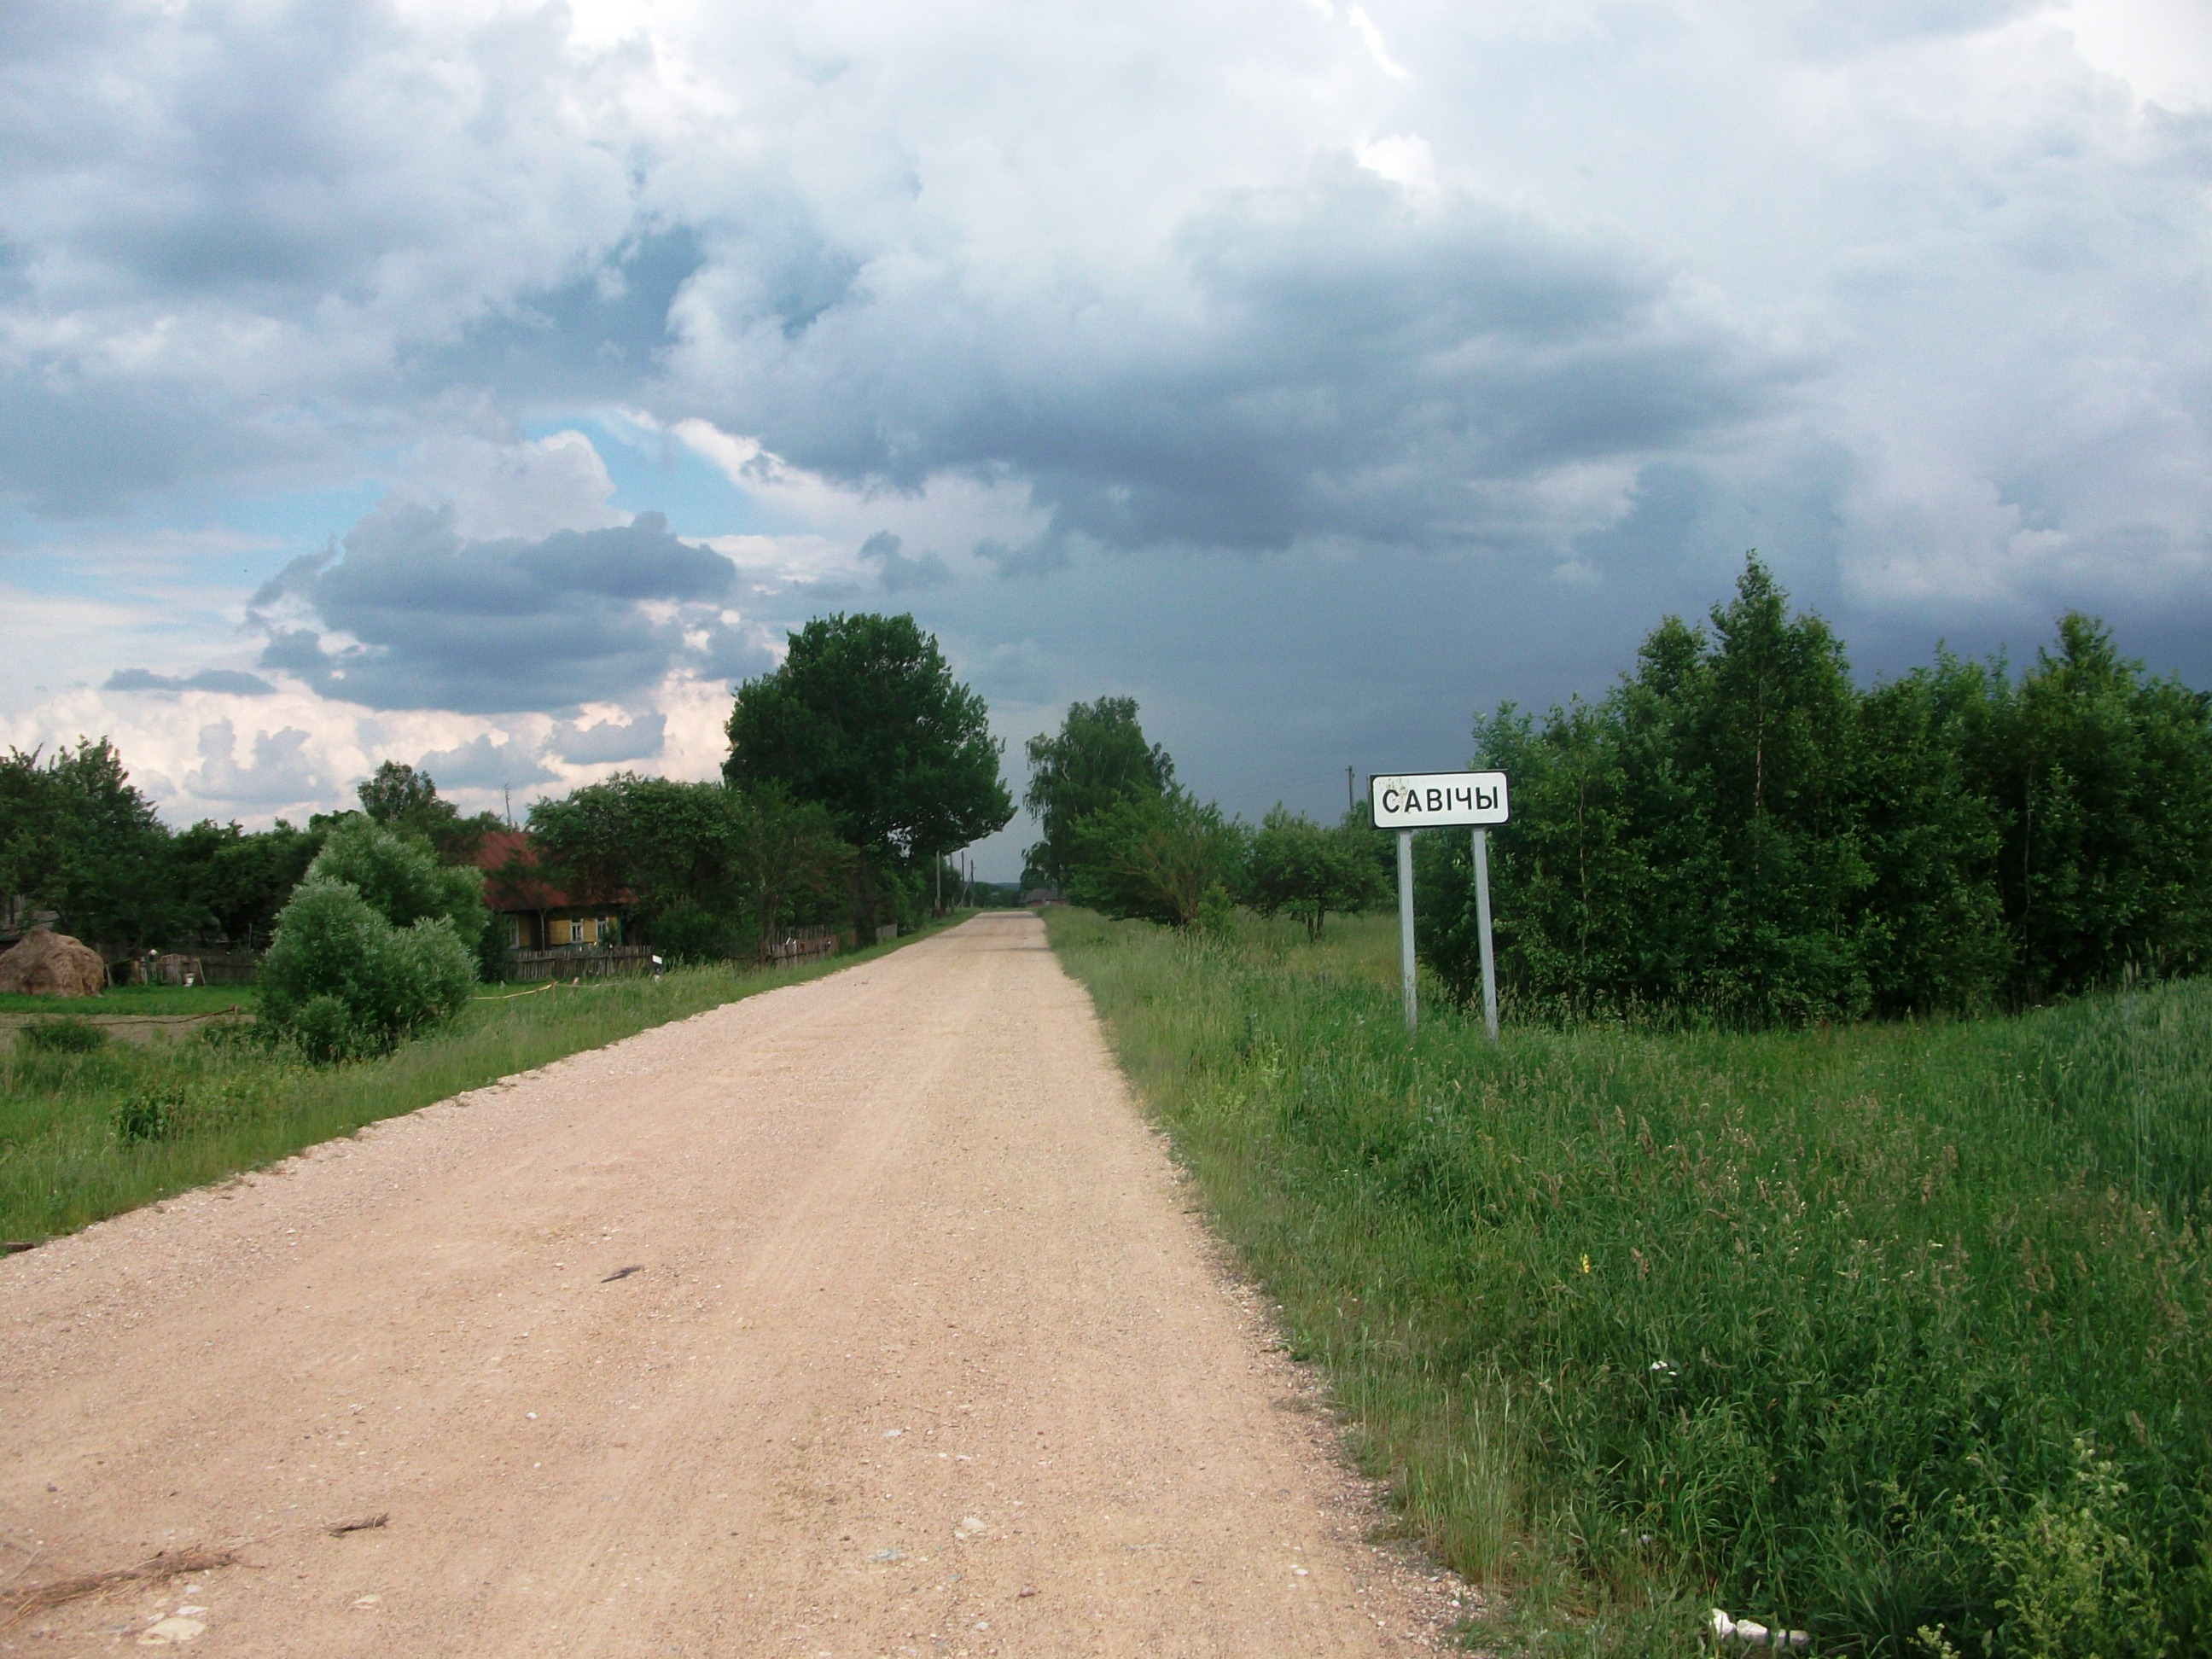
90,1125
1896,1335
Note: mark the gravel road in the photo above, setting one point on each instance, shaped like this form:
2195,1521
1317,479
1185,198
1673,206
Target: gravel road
864,1316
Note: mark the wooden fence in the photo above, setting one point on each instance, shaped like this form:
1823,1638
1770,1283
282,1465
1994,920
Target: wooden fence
189,968
802,945
579,961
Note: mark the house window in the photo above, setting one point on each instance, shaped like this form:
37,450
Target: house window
515,932
582,931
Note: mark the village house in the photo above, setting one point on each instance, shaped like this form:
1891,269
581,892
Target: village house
535,915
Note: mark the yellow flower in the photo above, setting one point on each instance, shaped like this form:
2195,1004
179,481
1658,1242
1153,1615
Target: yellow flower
1585,1262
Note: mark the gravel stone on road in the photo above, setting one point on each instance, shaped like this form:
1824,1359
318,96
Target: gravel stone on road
864,1316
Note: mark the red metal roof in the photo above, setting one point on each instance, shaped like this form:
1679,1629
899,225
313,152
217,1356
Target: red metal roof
510,880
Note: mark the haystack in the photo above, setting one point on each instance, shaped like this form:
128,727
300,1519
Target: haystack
45,963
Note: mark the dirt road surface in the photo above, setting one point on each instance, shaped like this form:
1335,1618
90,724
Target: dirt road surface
862,1317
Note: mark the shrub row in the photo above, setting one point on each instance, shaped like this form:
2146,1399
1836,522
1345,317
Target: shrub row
1738,831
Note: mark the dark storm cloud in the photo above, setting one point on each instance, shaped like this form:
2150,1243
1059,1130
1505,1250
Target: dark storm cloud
268,153
1352,363
489,627
735,655
207,679
1039,556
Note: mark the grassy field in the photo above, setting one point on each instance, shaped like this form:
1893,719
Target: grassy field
86,1132
135,1000
1898,1334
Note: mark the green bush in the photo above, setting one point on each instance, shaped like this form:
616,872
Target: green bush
1297,866
64,1034
399,877
341,980
1737,834
1156,857
151,1115
327,1030
688,931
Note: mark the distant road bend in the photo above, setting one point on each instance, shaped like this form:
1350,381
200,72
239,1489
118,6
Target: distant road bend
861,1318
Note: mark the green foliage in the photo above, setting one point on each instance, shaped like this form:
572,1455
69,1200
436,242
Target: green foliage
151,1114
1893,1332
406,801
1156,857
341,980
1122,836
2102,781
1931,927
78,837
238,881
689,932
1736,834
399,877
712,869
328,1030
2071,1582
63,1034
864,719
1098,758
1298,866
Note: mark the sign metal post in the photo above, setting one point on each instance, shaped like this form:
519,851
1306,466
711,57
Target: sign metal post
1406,928
1482,920
1408,801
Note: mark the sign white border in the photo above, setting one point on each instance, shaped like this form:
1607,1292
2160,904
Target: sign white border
1429,800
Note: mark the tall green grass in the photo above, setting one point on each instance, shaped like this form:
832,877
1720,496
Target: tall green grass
85,1134
1899,1334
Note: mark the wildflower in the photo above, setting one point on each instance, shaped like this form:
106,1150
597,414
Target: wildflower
1585,1261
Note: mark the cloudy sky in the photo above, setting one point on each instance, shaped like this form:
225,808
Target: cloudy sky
489,387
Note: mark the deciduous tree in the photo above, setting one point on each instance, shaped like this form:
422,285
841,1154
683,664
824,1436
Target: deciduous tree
865,719
1099,757
1159,858
1300,866
78,837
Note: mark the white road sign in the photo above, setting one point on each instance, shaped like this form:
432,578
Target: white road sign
1426,800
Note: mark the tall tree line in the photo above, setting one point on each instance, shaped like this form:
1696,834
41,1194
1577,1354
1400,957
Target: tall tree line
1119,835
79,842
1739,831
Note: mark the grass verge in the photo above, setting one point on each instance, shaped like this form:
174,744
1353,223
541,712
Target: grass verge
1898,1334
134,1000
87,1133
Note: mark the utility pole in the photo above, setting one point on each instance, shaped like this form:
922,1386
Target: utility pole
1351,800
